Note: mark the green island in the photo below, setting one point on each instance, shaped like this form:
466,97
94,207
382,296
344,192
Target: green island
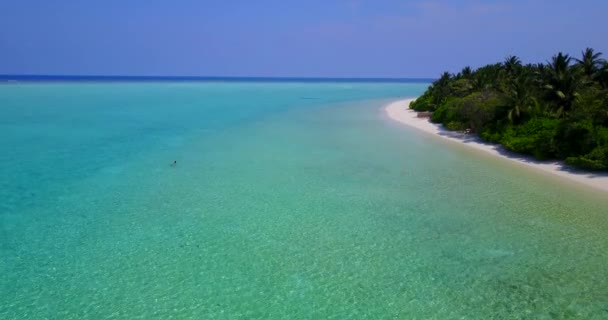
552,110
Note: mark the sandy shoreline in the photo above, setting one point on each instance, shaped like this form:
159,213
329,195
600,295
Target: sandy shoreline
399,111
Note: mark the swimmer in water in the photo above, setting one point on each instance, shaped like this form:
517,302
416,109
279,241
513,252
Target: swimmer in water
174,163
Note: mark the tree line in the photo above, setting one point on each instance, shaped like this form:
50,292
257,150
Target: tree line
552,110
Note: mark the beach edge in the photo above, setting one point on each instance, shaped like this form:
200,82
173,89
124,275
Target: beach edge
399,111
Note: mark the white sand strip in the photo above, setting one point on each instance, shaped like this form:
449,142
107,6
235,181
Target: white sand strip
400,111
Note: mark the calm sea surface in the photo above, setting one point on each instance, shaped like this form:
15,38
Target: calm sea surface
290,200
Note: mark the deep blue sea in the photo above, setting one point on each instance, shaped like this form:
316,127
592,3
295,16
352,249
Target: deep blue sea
290,199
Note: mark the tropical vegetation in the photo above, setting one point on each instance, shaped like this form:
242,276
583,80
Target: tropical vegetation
552,110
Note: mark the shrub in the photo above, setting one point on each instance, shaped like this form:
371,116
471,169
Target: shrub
423,103
491,136
584,163
440,114
535,137
456,126
574,138
595,160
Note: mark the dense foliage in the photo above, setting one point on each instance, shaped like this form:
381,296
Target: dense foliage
555,110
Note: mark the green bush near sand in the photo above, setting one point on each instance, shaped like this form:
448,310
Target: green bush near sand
595,160
553,110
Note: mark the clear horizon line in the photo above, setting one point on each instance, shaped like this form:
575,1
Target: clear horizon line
177,77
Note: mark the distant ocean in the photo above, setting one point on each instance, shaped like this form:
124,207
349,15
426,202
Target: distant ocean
291,199
70,78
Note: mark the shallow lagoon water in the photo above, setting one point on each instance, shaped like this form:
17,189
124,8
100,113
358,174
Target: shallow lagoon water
289,200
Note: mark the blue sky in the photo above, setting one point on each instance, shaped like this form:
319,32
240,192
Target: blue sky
341,38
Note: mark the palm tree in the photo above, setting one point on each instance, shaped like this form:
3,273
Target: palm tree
441,88
518,97
602,75
487,77
560,63
511,64
590,62
466,72
510,68
562,82
444,78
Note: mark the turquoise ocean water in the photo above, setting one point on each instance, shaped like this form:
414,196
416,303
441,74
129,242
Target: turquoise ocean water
290,200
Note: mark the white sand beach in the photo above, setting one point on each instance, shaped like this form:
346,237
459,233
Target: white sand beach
400,111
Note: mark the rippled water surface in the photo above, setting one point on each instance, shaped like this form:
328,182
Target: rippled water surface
288,201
